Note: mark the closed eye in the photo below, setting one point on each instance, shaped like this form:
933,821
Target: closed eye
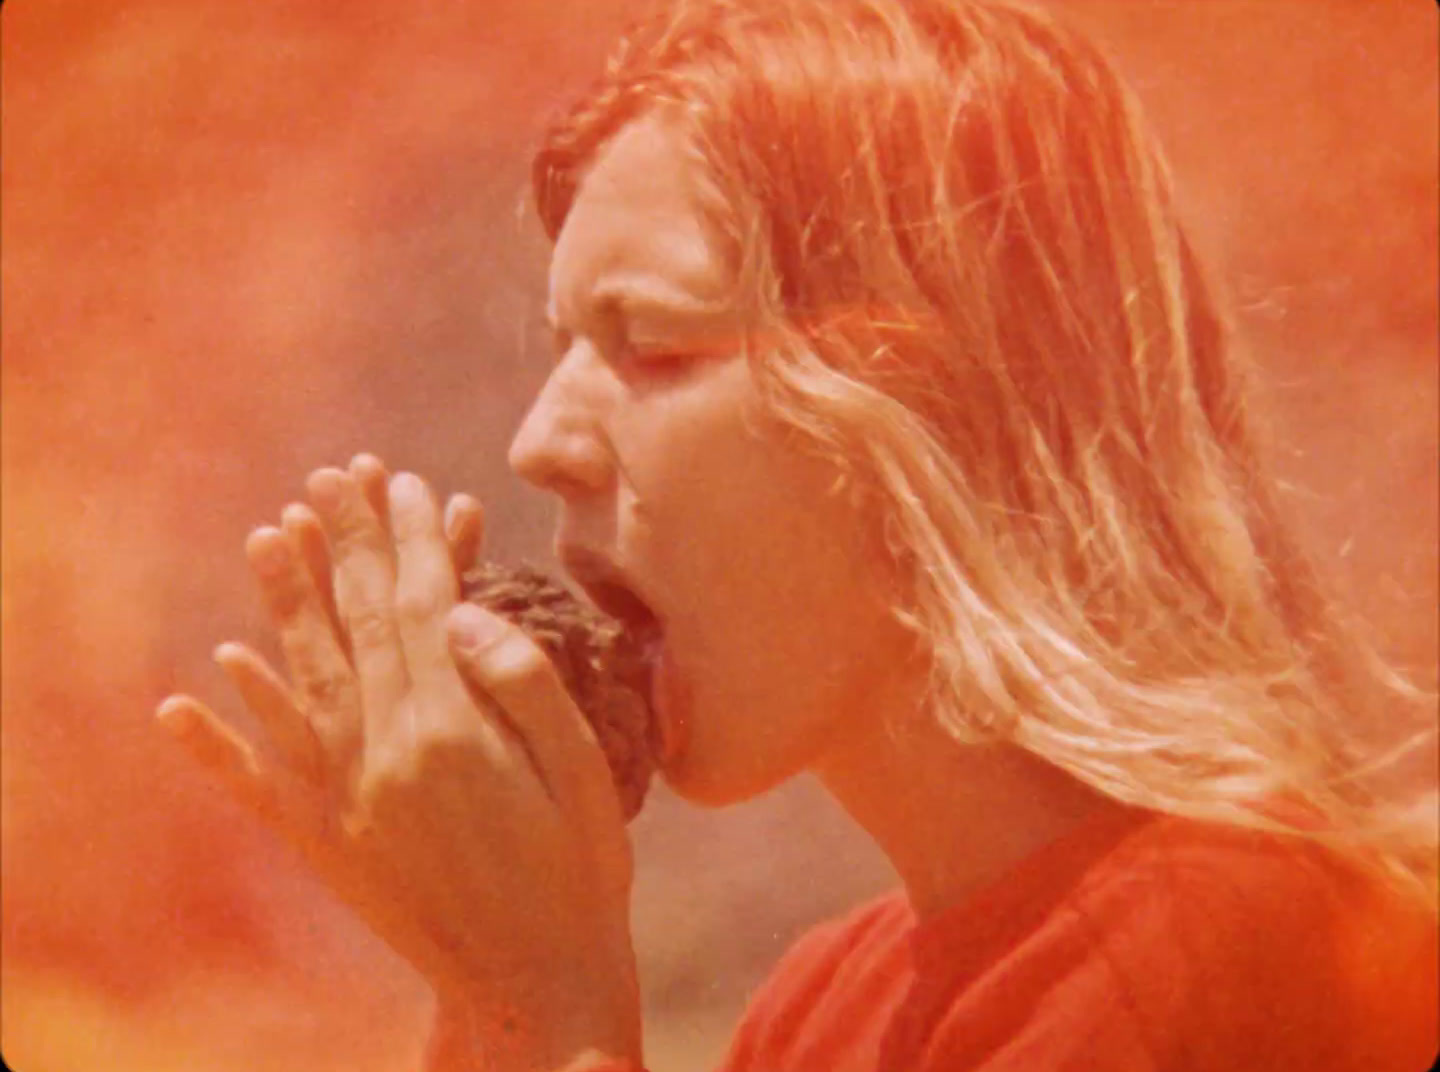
659,360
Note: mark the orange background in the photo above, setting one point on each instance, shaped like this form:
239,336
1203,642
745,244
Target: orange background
243,239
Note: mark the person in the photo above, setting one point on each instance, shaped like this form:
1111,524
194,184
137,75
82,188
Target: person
886,377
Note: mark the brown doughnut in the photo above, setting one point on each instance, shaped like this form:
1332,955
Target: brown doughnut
601,664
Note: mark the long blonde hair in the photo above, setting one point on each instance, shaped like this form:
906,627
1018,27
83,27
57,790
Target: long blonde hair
980,306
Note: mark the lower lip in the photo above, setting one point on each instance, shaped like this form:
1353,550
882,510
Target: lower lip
666,700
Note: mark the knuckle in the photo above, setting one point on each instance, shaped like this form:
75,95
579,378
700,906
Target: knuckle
357,526
391,776
388,770
374,805
371,626
418,603
327,691
285,593
359,539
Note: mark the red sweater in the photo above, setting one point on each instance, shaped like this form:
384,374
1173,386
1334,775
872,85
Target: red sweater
1139,945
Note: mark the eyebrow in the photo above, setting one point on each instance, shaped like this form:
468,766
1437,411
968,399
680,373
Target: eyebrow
627,297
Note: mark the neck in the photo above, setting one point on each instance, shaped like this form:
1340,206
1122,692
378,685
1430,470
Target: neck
951,817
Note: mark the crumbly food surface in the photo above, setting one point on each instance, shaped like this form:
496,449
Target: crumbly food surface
602,665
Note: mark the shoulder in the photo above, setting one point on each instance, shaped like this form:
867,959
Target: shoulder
1184,946
1180,876
1222,893
1224,945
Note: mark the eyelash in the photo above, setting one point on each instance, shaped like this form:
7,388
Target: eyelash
660,361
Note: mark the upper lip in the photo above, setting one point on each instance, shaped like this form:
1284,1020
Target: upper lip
607,585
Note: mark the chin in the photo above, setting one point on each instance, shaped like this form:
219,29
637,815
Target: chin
718,785
702,791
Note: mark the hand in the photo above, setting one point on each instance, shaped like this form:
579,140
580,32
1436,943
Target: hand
464,526
429,764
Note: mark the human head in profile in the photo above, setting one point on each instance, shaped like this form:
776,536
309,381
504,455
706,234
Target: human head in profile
890,397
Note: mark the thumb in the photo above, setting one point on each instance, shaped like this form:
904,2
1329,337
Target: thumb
498,658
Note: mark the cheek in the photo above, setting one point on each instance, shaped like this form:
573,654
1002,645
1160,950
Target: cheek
783,638
768,704
773,621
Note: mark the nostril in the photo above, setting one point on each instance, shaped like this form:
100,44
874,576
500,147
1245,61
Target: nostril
560,446
565,462
521,457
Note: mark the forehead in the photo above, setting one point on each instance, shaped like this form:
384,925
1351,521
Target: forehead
639,211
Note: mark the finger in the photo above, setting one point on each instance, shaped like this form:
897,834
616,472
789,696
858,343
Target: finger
304,530
325,683
364,591
464,531
276,709
220,750
288,807
374,480
497,658
425,587
302,820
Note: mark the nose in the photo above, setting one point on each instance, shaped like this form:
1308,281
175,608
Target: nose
560,446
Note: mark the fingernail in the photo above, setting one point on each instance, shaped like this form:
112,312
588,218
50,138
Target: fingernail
297,515
472,628
228,652
268,551
175,717
406,491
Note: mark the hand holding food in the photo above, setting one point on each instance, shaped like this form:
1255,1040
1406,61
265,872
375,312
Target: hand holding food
604,666
428,760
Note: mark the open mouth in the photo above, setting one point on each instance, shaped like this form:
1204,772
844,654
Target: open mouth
637,619
602,661
621,603
647,636
607,587
610,590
